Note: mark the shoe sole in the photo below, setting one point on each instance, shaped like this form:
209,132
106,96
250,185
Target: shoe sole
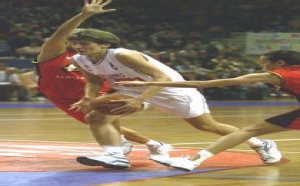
169,165
182,169
165,164
90,162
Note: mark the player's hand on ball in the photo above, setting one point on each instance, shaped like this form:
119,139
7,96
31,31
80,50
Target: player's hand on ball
116,104
129,106
82,105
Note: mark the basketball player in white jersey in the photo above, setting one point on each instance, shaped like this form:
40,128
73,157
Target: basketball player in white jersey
99,56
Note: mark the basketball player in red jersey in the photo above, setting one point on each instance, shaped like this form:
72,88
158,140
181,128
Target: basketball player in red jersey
63,85
283,73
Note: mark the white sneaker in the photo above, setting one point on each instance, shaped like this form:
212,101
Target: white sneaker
180,163
161,159
160,153
162,149
126,147
105,160
184,164
268,153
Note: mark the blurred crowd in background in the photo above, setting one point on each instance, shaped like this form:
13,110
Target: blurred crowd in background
190,36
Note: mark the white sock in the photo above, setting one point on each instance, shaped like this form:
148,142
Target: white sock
204,155
123,139
153,142
113,150
255,142
146,105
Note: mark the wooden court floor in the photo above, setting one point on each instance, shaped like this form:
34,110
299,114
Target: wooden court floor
38,123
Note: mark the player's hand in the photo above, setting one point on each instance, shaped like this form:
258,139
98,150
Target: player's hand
96,7
133,83
83,105
131,105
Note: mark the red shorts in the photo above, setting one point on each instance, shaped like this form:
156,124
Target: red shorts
64,105
290,120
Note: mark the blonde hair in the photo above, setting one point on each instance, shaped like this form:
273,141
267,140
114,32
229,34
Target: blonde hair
95,35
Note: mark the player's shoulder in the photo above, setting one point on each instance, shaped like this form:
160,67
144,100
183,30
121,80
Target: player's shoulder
121,51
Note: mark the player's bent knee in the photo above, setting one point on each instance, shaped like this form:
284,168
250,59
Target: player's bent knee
94,117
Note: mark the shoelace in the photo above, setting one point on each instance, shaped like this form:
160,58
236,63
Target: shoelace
154,149
262,151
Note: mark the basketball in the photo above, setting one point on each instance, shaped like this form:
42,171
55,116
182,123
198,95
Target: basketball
103,104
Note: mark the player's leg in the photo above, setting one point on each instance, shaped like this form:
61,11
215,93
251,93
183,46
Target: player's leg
200,118
196,112
230,141
206,122
107,133
64,104
133,135
104,128
155,147
240,136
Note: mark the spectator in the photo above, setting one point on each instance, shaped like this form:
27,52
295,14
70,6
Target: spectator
21,39
166,31
12,83
29,81
30,51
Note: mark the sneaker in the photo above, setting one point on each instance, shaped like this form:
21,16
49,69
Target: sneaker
126,147
160,153
184,164
268,152
162,149
105,160
180,163
161,159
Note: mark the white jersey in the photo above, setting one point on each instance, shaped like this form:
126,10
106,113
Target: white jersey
114,71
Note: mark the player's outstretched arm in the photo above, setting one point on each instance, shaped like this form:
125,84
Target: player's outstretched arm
56,43
183,84
250,78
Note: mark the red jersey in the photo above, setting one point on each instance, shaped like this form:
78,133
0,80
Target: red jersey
60,78
290,76
63,84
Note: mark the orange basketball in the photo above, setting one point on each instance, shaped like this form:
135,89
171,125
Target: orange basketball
103,103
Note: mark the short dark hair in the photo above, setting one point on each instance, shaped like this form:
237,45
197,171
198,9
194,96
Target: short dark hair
288,56
97,36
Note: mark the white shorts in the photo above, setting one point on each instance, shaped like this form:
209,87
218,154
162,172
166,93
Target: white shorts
182,102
